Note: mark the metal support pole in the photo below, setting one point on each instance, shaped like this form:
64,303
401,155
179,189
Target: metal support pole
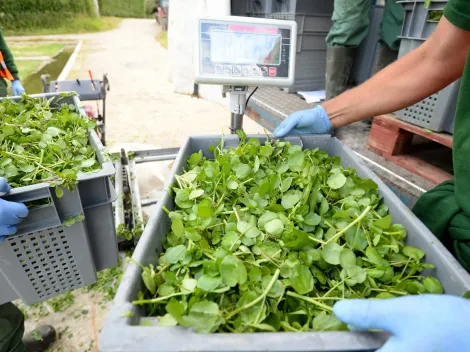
237,106
236,123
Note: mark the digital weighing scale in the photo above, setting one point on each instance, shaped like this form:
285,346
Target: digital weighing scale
237,52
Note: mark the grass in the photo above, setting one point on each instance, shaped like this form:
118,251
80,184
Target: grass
34,49
162,38
78,24
27,67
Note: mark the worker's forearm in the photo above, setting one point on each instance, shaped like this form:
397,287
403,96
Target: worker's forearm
407,81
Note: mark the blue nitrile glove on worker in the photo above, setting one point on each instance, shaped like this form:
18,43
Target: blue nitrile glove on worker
422,323
11,213
17,87
311,121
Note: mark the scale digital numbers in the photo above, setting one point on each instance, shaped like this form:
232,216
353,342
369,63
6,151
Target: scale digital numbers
245,48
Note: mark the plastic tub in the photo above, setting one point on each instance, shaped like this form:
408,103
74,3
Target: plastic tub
123,333
66,257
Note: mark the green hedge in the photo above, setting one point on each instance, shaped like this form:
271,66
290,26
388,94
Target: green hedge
123,8
31,14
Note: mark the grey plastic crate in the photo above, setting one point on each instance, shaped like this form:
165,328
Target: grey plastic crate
416,22
94,240
124,333
101,228
310,62
310,67
436,112
47,263
308,23
93,188
271,6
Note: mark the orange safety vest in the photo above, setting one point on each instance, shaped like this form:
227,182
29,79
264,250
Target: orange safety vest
4,72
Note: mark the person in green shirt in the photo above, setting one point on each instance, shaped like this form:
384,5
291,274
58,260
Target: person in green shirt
8,70
425,322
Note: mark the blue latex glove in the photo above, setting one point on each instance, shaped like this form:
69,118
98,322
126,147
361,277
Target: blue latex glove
17,87
424,323
11,213
310,121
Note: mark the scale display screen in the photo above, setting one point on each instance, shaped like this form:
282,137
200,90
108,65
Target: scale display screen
245,48
248,50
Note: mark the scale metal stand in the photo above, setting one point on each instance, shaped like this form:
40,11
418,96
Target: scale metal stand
237,105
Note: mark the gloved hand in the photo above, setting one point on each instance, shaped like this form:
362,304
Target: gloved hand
17,87
11,213
314,120
423,323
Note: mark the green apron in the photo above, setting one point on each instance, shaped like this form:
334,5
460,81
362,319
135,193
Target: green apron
351,23
446,208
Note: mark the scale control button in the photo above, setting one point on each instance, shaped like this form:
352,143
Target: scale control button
264,71
273,71
237,70
246,70
219,68
228,69
254,71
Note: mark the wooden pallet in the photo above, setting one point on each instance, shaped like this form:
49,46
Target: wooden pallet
391,138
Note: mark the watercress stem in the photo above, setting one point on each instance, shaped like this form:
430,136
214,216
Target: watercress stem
358,219
259,298
160,299
310,300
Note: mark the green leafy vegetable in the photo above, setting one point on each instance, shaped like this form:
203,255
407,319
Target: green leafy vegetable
267,238
41,144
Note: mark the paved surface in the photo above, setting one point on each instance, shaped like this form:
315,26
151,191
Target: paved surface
142,106
142,113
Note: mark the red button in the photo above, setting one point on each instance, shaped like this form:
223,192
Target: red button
273,71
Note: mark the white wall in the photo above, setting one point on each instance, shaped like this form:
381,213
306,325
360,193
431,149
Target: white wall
181,42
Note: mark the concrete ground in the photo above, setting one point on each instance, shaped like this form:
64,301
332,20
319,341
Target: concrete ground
142,113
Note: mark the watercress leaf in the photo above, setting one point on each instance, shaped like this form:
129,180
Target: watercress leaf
324,206
312,219
286,183
175,254
291,198
301,279
177,227
233,271
331,253
208,283
356,274
167,320
196,193
274,227
327,322
59,192
385,295
347,258
296,160
384,223
189,284
336,181
375,257
433,285
195,159
413,252
88,163
203,317
242,171
232,184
